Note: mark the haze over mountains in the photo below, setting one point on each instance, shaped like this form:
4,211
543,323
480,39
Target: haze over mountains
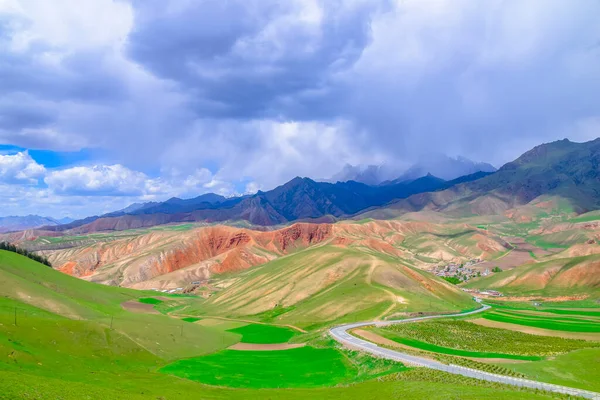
439,165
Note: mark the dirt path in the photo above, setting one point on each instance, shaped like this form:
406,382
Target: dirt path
265,347
393,296
536,331
137,307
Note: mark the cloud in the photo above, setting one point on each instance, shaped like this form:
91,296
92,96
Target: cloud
232,96
267,152
20,168
117,180
113,180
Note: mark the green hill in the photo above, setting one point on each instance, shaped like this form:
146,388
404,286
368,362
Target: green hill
329,284
56,342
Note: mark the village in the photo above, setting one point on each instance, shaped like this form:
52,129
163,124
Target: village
461,272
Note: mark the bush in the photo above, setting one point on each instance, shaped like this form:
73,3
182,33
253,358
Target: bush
496,269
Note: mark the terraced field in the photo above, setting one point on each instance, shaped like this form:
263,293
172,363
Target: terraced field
567,323
557,359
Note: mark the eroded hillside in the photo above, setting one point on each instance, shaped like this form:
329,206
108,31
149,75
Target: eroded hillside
173,258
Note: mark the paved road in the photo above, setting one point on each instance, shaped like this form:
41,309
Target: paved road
340,333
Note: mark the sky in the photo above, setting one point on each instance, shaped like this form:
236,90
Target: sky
105,103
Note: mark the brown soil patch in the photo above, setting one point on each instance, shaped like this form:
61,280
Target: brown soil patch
137,307
265,347
536,331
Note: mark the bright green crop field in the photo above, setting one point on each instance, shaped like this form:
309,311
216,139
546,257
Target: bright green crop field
260,333
567,324
300,367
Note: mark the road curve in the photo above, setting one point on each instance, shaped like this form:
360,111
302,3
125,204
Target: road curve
340,333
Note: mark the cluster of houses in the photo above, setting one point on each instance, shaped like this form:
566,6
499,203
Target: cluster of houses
464,272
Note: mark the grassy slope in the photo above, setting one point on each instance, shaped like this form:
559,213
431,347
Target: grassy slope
50,356
327,284
31,283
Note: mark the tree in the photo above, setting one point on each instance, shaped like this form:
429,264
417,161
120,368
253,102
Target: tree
24,252
496,269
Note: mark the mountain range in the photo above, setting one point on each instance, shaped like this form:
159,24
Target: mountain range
562,168
17,223
298,199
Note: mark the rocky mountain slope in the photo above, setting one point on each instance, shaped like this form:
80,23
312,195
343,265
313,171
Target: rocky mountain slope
298,199
564,169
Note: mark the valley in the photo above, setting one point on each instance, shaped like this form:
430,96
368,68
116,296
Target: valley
241,308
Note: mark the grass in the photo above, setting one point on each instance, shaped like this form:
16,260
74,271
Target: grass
149,300
463,338
63,347
260,333
263,293
576,369
300,367
556,324
450,351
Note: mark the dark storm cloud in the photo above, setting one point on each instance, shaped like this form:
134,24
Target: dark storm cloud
252,59
172,86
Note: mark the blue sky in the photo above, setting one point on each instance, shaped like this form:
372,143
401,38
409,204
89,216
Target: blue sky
106,102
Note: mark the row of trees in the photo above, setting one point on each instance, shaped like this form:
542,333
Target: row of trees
35,257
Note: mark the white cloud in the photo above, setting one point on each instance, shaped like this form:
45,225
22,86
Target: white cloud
20,168
111,180
117,180
68,26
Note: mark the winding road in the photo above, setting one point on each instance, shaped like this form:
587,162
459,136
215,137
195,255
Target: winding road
340,333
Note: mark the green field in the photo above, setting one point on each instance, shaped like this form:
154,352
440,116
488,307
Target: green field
260,333
556,324
300,367
576,369
149,300
450,351
73,340
463,338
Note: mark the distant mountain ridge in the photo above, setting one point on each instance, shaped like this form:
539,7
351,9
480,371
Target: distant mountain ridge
562,168
17,223
298,199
